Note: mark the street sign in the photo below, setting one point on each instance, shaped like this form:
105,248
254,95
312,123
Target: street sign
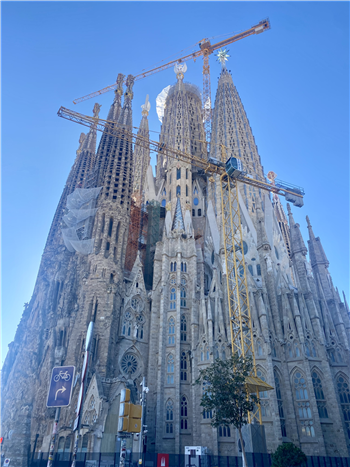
61,385
7,462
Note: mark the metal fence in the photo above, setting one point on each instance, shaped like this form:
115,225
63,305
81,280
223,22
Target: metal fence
93,459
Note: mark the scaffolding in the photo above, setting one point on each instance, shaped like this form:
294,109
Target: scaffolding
137,234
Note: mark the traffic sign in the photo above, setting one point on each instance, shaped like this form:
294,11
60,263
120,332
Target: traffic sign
61,385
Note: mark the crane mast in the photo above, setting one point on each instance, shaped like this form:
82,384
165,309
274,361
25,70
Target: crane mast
236,277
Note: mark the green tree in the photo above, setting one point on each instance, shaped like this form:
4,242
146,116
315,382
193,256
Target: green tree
225,392
288,455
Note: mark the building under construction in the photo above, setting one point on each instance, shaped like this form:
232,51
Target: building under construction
142,255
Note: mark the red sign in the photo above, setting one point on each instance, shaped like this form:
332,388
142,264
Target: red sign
163,460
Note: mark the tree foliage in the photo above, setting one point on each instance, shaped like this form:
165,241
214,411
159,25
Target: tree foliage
225,392
288,455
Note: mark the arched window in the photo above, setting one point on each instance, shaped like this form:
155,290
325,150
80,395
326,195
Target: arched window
60,445
173,298
259,348
264,399
126,329
223,353
186,189
178,190
250,268
258,269
245,247
280,403
344,396
319,395
183,297
140,321
195,191
178,174
224,431
296,348
183,366
202,354
290,351
186,174
171,331
184,413
199,212
205,389
164,192
303,404
183,267
216,351
183,328
307,349
169,425
170,369
163,203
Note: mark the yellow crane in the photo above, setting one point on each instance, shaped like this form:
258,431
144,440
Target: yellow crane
231,175
205,49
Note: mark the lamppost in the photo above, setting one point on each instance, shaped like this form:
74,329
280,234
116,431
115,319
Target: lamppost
144,391
84,371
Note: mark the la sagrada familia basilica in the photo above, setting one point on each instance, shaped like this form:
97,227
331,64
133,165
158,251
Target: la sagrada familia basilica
159,304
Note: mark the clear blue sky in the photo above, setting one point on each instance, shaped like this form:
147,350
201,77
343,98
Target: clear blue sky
293,81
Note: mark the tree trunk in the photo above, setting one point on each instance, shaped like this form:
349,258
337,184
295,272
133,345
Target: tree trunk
243,448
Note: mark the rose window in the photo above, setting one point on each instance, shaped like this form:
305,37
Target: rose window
129,364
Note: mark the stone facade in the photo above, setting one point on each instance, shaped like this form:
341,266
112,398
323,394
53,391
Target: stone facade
168,318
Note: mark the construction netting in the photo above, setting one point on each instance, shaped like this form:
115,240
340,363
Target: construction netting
79,219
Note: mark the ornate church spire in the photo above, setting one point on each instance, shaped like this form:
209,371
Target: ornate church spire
317,254
78,176
230,125
115,109
141,155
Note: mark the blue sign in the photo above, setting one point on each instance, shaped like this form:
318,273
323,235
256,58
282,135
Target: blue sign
61,386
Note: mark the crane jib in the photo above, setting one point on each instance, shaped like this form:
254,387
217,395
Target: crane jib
233,167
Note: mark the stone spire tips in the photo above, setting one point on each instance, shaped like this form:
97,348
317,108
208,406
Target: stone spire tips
180,70
223,57
96,110
178,223
311,232
146,107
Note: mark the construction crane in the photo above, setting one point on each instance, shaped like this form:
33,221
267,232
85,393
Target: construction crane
231,175
205,49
